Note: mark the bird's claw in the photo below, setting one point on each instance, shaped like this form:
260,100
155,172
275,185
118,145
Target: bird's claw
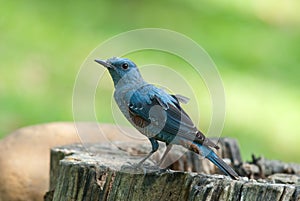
163,170
140,168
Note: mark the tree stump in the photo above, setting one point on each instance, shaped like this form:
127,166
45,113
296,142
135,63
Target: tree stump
106,172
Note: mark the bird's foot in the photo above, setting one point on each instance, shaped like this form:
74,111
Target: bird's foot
165,170
139,168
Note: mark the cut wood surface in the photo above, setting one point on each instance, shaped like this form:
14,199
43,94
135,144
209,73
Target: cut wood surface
107,172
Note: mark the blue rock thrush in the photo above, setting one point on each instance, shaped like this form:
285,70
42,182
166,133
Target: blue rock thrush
157,114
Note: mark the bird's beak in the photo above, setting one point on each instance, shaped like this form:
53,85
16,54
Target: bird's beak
104,63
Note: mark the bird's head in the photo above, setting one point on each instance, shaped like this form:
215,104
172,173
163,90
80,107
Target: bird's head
121,68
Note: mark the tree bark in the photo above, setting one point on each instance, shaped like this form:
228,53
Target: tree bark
106,172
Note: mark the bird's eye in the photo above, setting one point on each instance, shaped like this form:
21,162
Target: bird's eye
125,66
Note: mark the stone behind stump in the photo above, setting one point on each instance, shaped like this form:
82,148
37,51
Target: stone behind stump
25,155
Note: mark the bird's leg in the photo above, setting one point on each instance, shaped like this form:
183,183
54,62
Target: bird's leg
155,146
168,148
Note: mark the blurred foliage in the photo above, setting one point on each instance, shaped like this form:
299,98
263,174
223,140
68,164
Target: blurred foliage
254,44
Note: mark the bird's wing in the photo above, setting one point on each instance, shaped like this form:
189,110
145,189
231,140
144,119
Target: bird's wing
166,112
179,122
181,98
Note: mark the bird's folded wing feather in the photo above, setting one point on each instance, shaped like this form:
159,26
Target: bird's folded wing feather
177,123
181,98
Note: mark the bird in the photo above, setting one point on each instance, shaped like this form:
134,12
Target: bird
157,114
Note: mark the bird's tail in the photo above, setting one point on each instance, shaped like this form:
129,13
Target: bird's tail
215,159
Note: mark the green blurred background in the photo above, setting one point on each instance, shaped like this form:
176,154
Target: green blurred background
255,45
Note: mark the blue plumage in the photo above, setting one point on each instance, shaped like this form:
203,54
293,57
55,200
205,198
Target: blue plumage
157,114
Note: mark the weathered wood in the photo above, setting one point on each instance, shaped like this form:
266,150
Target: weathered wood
260,167
103,173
